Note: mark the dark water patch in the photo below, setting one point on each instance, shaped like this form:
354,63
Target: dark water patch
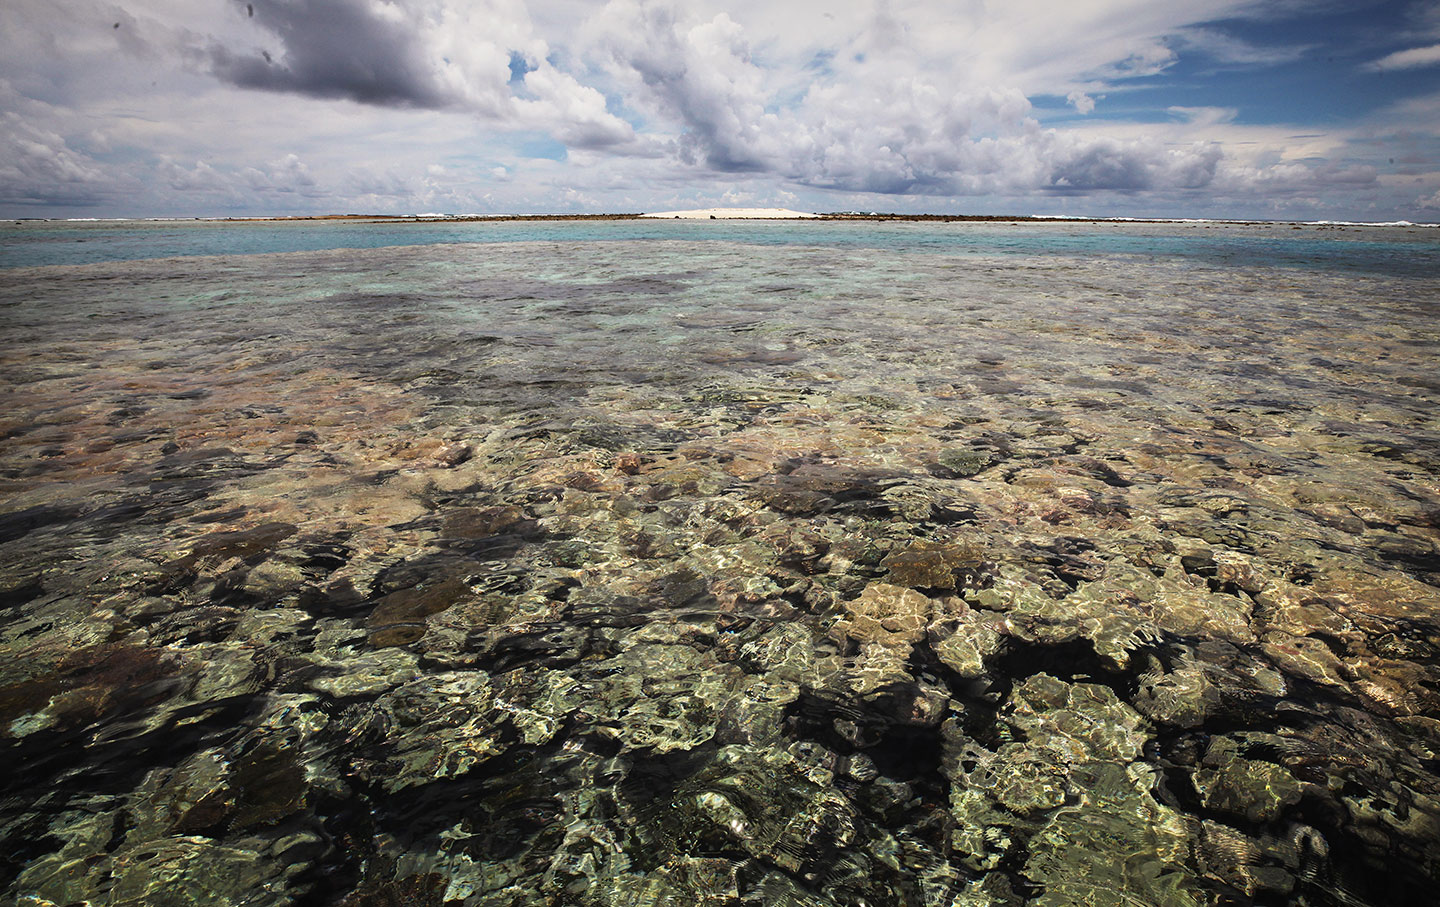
21,523
230,515
805,488
1130,387
16,591
641,286
338,599
57,768
323,557
1075,661
1067,559
215,464
1416,557
505,807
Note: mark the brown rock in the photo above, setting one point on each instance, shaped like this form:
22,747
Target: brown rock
931,565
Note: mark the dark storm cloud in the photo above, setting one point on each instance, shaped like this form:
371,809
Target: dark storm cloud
335,49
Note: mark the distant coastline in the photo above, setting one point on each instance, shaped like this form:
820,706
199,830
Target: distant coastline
808,218
828,216
771,215
839,216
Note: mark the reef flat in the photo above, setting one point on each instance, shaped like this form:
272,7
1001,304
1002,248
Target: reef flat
681,572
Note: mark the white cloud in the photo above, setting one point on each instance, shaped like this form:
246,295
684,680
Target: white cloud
573,113
1414,58
434,104
1227,49
1292,179
38,165
1081,101
285,176
199,177
1204,116
875,121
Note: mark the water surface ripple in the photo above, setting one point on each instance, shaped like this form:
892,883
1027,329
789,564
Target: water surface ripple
610,570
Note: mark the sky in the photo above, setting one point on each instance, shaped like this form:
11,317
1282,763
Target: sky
1265,109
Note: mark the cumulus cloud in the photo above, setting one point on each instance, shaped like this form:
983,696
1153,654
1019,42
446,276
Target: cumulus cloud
1081,101
285,176
442,103
39,166
198,177
872,121
371,182
1291,178
699,75
1086,165
425,54
574,113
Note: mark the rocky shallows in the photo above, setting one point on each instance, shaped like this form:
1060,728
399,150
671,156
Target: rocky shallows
717,574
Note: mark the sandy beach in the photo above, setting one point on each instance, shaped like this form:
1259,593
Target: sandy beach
734,214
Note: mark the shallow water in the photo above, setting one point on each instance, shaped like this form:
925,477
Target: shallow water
856,568
1391,250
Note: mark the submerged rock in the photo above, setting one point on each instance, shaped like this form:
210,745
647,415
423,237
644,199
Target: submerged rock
964,462
1256,791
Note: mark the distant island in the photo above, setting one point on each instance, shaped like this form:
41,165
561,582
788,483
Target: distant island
736,214
693,214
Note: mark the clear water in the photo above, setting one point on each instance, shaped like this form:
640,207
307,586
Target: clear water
721,564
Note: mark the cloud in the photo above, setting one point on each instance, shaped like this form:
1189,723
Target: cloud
1229,50
873,120
201,177
442,105
699,75
38,166
285,176
425,54
571,112
1286,179
374,183
1414,58
1204,116
1081,101
1088,165
370,52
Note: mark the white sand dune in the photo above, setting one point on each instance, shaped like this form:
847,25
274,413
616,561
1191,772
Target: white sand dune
732,214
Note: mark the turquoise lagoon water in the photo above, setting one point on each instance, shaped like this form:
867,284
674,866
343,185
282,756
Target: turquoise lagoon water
761,564
1382,249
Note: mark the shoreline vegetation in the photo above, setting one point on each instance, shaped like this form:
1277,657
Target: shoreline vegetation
847,216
